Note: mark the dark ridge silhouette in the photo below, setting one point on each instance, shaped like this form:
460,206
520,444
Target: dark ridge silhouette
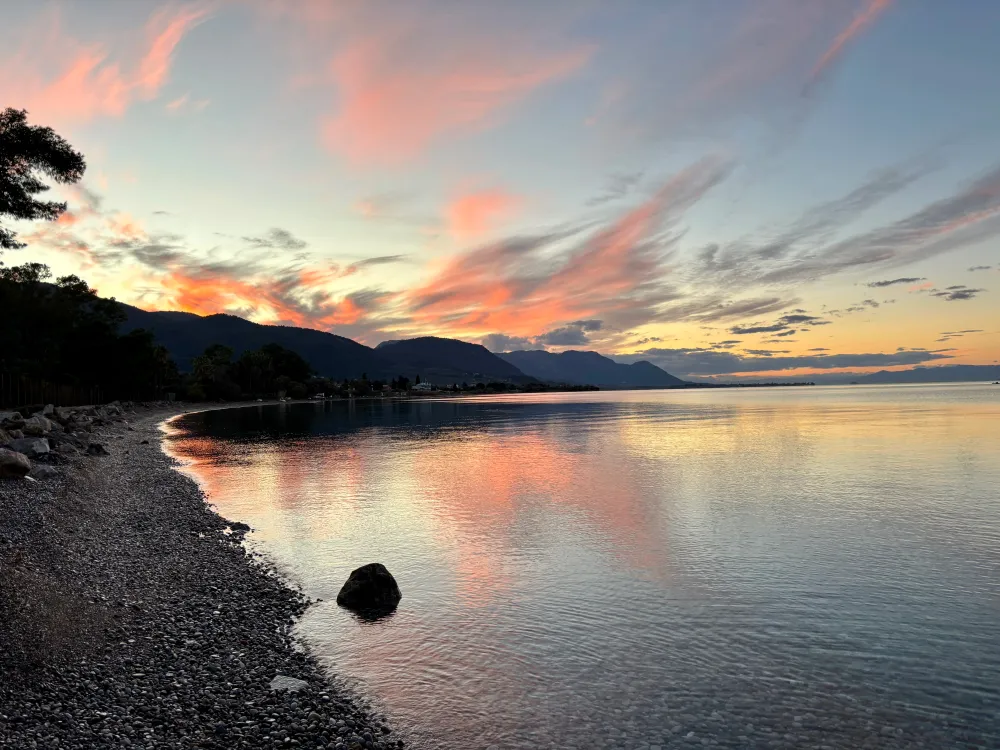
439,360
579,368
941,374
186,336
435,360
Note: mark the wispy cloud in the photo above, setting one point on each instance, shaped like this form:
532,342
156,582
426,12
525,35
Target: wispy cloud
473,214
806,252
61,79
869,13
619,186
407,77
955,293
277,239
524,285
893,282
186,104
783,324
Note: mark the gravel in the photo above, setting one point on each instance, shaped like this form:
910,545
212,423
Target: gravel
130,618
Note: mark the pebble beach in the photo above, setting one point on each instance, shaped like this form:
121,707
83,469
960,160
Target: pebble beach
134,617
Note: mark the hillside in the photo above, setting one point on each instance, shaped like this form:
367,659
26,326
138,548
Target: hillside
435,360
582,368
942,374
186,335
443,361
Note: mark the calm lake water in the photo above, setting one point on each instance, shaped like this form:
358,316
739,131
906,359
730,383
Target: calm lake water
793,567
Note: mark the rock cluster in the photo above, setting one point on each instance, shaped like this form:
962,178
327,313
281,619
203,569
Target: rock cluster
129,618
51,434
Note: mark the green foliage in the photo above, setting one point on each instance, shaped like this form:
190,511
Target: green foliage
28,152
63,333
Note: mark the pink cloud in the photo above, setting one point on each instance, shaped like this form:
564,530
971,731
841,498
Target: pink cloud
58,78
400,93
474,214
865,18
526,285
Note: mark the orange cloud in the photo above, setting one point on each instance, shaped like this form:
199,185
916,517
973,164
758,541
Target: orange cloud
868,15
165,31
88,83
474,214
526,285
394,105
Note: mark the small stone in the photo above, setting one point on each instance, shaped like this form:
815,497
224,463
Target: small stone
284,682
96,449
42,471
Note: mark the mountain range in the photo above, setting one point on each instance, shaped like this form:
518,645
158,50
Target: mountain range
445,361
436,360
939,374
590,368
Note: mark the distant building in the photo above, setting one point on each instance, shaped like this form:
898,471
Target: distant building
423,387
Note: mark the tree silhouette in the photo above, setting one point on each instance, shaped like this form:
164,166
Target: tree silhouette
62,333
26,152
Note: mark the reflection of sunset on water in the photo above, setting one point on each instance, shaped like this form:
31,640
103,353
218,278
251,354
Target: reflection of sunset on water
571,562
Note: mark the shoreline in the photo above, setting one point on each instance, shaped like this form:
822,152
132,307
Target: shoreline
131,619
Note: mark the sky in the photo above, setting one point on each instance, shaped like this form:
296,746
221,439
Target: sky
726,188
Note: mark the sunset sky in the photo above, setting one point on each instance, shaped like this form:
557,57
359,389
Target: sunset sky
722,187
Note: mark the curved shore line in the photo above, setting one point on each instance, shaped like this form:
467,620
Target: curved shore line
145,624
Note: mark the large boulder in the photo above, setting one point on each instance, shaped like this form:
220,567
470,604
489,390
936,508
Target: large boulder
370,588
11,419
37,426
31,446
60,415
13,465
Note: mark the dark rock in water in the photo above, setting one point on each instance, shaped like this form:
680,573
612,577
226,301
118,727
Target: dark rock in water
239,526
96,449
370,588
13,465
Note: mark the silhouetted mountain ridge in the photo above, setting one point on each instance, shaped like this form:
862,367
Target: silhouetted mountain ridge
590,368
436,360
938,374
444,361
186,335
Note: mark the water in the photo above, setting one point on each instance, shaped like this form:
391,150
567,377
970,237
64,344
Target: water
739,568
